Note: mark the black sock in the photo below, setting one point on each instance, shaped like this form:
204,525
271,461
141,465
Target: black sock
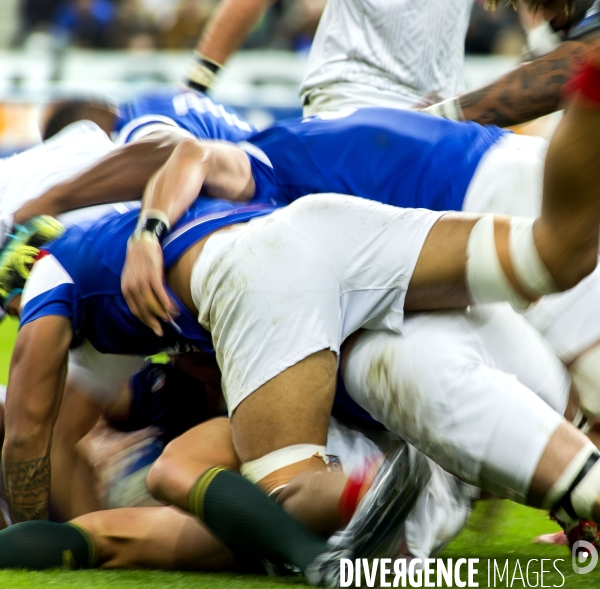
45,545
246,520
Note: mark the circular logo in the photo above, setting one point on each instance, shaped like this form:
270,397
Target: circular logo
584,557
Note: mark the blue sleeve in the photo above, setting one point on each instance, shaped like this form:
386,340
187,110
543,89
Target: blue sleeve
58,301
144,125
50,290
266,189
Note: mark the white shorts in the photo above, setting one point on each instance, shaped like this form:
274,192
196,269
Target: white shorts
570,320
280,288
508,179
100,377
478,391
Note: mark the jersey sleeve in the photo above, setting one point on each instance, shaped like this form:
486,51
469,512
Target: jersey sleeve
590,25
144,125
266,189
50,290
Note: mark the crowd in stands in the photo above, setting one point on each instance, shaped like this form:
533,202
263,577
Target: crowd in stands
176,24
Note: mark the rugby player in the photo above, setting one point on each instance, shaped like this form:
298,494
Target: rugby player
263,265
389,53
405,159
149,126
146,129
534,88
502,343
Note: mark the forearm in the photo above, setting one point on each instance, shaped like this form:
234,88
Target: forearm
120,176
530,91
27,485
231,23
26,455
177,184
36,380
218,169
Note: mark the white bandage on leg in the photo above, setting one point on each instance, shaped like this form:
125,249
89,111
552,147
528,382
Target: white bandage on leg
258,470
485,277
586,493
585,375
555,497
527,264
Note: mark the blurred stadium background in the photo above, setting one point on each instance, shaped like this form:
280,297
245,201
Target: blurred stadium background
62,48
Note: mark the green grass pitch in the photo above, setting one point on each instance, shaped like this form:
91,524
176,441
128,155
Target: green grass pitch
497,531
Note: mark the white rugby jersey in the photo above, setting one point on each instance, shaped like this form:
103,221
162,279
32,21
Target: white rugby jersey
401,48
29,174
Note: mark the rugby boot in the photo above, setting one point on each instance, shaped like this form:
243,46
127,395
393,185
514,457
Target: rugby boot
583,530
377,527
21,250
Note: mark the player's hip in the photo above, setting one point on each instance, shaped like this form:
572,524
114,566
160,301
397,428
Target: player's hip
508,179
302,279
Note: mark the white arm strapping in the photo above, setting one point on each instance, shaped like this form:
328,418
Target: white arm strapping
561,486
485,277
531,272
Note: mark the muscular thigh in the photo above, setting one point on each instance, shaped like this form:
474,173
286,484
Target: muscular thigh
292,408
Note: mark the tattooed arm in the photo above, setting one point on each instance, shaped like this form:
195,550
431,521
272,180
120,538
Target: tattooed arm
36,381
529,91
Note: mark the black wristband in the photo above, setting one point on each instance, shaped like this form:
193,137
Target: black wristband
201,73
155,227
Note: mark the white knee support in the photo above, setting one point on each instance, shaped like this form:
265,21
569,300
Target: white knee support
576,492
261,468
486,280
585,374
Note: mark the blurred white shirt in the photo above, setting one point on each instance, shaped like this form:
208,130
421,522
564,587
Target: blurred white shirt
29,174
386,53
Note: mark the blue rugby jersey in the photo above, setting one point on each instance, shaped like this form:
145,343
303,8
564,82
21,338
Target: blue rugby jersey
192,111
398,157
80,278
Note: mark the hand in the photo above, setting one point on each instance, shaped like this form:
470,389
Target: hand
142,284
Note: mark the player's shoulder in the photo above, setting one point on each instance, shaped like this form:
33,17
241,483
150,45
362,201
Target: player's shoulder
588,26
49,291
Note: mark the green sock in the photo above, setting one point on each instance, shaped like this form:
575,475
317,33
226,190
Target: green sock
246,520
45,545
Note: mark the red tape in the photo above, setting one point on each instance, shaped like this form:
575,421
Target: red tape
349,499
358,483
587,82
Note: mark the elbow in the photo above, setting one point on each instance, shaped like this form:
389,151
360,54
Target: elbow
191,149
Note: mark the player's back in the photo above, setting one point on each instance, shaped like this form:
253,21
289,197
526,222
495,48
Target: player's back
397,157
80,278
196,113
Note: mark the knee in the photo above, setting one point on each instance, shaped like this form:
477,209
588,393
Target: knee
159,478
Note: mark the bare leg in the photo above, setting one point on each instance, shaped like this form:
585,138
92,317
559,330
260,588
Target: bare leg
187,457
153,538
561,449
292,408
74,484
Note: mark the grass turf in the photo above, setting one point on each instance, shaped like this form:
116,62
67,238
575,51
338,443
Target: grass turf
498,531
